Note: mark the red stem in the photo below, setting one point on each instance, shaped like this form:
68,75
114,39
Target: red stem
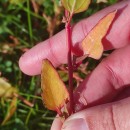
70,66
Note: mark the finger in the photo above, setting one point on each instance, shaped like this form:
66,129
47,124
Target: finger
57,123
55,48
106,81
123,94
113,116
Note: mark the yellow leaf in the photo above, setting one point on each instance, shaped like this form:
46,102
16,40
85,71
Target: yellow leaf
6,90
11,110
92,44
102,1
54,93
76,6
16,2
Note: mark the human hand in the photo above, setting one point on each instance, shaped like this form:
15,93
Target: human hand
108,82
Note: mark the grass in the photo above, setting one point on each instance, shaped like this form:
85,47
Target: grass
23,24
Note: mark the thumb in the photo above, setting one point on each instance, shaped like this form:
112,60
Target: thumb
112,116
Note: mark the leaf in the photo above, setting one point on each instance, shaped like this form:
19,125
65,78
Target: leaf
16,2
6,90
11,110
16,124
92,44
63,75
102,1
54,93
76,6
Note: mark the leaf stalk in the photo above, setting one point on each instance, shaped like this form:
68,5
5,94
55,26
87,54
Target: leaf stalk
70,64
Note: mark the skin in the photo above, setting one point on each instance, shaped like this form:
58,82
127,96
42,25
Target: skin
102,99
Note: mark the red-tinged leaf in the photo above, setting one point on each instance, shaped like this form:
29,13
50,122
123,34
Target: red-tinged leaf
92,44
54,93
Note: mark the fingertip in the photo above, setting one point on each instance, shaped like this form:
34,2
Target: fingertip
57,124
75,124
30,62
25,65
52,49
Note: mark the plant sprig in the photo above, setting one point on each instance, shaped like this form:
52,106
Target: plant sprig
54,92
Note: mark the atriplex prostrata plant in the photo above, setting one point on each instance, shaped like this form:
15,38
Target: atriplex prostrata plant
55,95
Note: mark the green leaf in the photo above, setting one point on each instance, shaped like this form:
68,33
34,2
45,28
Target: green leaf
76,6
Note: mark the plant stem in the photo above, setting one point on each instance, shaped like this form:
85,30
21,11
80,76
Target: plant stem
29,22
70,66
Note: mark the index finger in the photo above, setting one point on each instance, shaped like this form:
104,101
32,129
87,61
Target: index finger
55,48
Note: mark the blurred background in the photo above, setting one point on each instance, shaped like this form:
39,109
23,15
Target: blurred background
24,23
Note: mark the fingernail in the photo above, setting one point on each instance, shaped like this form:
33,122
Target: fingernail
75,124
